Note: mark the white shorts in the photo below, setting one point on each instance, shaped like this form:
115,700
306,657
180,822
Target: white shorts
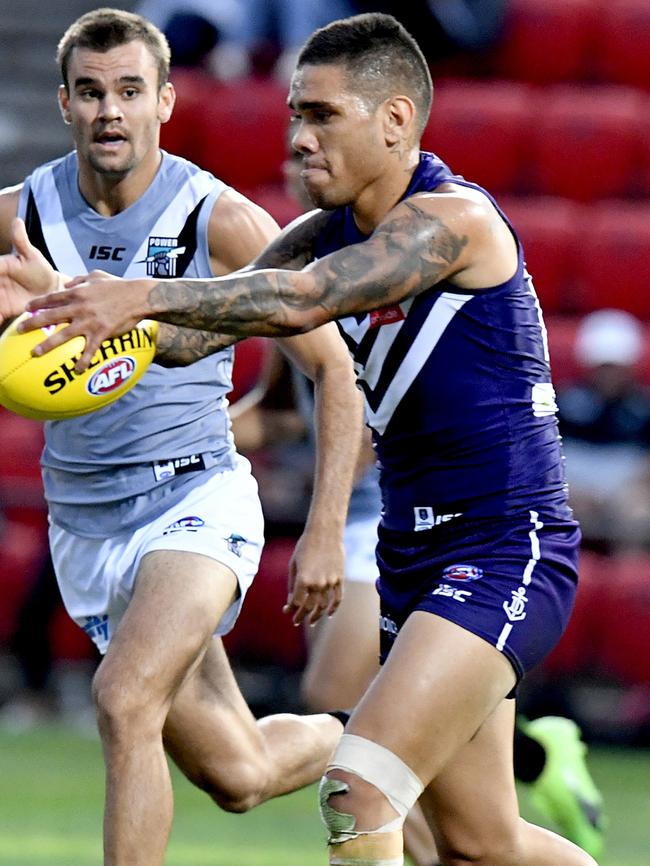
221,519
360,542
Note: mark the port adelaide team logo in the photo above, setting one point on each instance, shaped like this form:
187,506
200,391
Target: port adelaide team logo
162,254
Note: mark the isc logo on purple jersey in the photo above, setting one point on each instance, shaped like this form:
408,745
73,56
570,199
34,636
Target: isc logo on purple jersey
462,572
111,375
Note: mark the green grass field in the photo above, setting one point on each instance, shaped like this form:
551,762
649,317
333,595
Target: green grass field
51,792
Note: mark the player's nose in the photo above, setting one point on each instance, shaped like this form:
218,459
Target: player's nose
109,108
303,140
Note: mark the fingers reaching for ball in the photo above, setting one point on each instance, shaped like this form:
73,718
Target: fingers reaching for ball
95,307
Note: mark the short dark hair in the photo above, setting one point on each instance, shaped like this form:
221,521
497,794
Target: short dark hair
381,57
103,29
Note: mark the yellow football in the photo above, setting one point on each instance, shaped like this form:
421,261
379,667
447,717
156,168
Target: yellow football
47,387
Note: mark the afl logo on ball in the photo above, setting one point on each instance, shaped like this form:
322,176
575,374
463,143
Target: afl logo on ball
111,375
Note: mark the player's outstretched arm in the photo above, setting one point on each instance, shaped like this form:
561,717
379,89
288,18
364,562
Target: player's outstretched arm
419,243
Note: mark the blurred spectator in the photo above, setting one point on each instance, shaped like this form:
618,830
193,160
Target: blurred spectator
232,37
34,701
445,27
47,688
605,424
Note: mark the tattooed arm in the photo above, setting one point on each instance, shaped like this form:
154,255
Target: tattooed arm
178,347
238,230
423,240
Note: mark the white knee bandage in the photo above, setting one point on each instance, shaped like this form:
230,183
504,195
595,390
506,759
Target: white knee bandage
379,767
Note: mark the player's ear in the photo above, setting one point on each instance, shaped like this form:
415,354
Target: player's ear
166,102
64,104
399,119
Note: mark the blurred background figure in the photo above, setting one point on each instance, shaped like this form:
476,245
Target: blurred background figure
605,425
234,37
451,26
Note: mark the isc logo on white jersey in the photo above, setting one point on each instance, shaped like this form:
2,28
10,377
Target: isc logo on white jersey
178,466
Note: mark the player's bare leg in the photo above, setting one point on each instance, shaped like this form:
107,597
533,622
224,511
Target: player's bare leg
178,600
215,740
160,671
490,832
344,651
438,688
343,659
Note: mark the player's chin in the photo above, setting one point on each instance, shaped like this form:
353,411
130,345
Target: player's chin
111,163
324,198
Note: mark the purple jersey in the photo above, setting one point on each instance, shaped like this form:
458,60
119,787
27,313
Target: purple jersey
458,392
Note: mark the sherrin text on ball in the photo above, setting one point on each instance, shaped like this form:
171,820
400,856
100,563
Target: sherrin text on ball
47,387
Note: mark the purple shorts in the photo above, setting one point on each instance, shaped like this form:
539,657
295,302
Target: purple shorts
511,582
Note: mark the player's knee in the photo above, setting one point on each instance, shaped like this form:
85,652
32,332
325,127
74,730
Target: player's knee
123,709
367,790
236,786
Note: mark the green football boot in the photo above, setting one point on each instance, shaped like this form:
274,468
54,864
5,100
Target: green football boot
565,791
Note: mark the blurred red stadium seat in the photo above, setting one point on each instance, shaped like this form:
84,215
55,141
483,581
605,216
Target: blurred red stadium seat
182,134
579,648
21,489
250,356
561,342
547,40
22,550
23,520
68,640
622,49
615,257
586,142
626,621
481,130
263,633
272,197
644,173
242,132
549,229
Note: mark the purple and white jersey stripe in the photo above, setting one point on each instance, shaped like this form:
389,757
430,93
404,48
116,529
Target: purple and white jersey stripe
458,392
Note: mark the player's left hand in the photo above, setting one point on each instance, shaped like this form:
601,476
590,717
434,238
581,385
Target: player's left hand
315,577
96,306
23,274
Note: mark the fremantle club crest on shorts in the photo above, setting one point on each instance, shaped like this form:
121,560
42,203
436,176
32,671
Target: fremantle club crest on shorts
162,254
462,572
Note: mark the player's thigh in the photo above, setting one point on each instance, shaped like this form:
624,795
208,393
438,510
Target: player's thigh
472,803
210,731
344,651
437,687
178,600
